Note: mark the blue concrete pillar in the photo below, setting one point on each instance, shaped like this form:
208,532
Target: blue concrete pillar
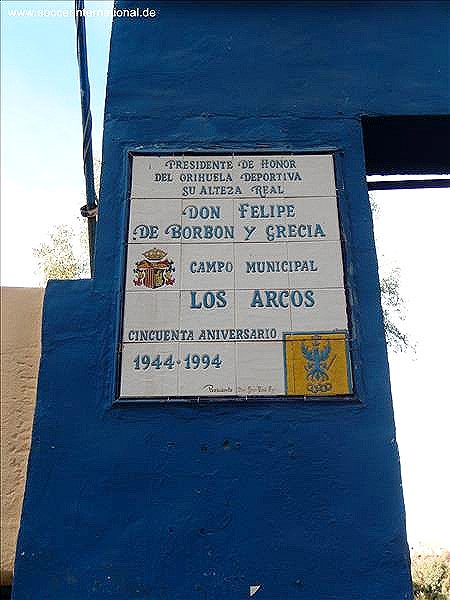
170,502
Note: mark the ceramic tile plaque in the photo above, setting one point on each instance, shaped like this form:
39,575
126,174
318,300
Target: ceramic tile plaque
234,282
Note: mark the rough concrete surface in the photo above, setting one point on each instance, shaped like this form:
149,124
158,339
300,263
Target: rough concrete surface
20,350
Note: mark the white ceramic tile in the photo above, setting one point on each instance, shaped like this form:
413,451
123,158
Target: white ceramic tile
207,267
151,218
137,381
135,254
216,317
328,313
313,211
148,316
179,174
142,175
249,258
316,172
209,381
315,265
206,221
269,176
255,217
260,368
259,318
251,231
307,219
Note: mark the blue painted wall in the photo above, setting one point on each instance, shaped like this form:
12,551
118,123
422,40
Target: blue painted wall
181,502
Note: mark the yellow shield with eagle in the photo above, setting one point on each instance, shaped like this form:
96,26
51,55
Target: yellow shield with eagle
317,364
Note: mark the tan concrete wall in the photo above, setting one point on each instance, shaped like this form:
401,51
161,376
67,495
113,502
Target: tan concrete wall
20,351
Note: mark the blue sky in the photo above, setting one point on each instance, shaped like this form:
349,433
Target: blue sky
42,172
43,185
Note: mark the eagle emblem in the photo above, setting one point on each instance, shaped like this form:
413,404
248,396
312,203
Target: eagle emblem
155,271
317,357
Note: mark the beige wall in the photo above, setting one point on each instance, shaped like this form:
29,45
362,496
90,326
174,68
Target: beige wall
20,351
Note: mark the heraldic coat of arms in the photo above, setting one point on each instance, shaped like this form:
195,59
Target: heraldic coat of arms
316,357
155,271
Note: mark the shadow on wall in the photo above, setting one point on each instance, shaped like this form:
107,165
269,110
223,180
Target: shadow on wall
5,592
21,310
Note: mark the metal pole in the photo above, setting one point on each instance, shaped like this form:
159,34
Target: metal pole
90,209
